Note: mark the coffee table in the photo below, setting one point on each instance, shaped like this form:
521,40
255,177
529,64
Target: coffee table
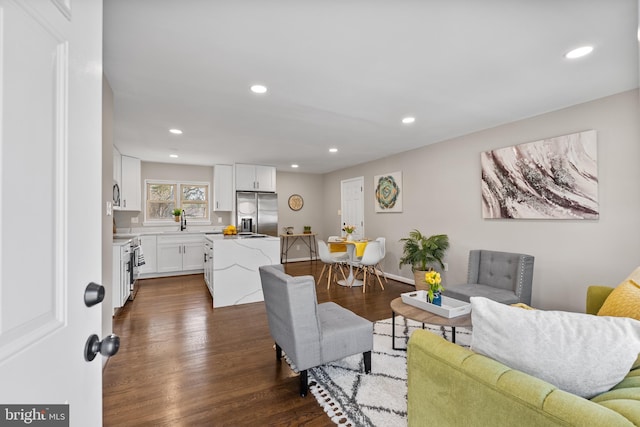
423,316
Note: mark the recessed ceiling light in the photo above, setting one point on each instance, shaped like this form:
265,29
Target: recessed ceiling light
176,131
294,166
258,89
173,156
333,150
408,120
579,52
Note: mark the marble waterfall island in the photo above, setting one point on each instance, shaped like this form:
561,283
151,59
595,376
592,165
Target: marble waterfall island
235,262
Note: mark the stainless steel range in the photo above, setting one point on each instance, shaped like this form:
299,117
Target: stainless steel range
135,261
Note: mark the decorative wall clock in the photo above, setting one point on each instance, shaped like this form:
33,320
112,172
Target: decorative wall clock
296,202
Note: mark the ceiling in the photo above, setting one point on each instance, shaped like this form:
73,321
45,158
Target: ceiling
344,73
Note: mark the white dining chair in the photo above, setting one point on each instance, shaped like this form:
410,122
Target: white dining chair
383,252
367,263
331,260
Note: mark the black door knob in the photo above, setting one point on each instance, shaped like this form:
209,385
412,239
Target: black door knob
107,347
93,294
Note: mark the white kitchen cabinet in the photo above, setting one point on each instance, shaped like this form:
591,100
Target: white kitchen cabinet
207,262
193,255
176,253
255,177
120,275
148,243
117,166
169,256
223,188
130,189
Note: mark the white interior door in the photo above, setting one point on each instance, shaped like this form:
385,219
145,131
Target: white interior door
352,194
50,204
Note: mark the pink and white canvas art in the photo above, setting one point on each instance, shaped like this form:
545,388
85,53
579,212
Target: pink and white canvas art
556,178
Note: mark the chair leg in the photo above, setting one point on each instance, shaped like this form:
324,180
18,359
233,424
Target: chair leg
329,276
378,277
322,272
367,361
303,383
278,352
379,267
364,281
342,271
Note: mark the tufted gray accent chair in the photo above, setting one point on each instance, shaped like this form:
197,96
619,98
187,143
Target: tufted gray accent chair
500,276
311,334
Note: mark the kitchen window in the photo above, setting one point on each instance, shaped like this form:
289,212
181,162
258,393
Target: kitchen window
195,201
162,197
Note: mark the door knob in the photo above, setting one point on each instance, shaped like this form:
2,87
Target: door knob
93,294
107,347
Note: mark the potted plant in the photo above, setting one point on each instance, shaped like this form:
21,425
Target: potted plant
307,229
176,214
420,252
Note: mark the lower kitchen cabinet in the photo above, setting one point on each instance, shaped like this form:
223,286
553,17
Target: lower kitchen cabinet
208,262
120,275
149,250
176,253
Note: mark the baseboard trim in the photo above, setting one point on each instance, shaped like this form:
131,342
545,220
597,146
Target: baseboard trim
299,260
400,279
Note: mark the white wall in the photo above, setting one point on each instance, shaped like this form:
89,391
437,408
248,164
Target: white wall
107,196
311,188
441,189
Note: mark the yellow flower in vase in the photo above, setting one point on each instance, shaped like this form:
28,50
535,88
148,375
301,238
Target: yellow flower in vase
433,279
349,229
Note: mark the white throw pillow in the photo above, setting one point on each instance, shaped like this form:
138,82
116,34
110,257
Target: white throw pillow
580,353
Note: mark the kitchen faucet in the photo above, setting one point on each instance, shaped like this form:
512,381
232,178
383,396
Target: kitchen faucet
183,222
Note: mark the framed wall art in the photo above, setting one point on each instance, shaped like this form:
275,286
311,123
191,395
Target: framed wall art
555,178
388,192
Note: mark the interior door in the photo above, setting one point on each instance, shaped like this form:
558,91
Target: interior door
352,195
50,204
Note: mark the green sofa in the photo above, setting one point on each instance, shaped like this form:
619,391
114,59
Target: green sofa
449,385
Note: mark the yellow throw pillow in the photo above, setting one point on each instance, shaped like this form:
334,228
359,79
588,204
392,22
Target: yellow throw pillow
624,301
522,305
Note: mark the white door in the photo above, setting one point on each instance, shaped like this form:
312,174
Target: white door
352,191
50,204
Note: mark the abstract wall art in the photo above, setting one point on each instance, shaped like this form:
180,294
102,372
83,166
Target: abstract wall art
388,192
556,178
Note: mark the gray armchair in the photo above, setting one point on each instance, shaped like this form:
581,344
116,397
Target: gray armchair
311,334
500,276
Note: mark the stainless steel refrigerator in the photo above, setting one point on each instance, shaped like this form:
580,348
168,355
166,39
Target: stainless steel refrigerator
257,212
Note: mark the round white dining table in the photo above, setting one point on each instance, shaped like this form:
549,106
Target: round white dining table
351,251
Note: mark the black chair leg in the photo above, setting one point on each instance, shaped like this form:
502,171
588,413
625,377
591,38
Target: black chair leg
278,352
367,361
303,383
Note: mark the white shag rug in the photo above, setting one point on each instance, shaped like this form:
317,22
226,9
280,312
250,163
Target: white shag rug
352,398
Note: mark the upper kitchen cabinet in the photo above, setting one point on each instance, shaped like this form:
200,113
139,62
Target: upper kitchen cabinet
223,188
255,178
131,184
117,167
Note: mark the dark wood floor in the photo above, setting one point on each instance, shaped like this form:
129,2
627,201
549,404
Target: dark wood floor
183,363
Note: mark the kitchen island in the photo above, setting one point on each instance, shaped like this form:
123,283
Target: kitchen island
233,262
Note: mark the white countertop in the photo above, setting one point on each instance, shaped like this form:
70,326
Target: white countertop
168,230
121,241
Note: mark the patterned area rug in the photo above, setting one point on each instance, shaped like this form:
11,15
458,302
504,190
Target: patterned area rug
352,398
